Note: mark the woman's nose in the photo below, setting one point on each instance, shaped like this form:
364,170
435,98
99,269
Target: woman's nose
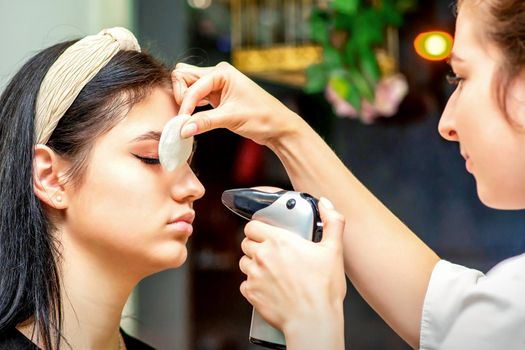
185,185
446,127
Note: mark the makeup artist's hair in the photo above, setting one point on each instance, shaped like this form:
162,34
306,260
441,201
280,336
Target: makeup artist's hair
29,254
505,27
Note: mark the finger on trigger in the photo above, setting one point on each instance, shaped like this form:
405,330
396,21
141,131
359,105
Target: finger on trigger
248,247
254,231
243,264
243,288
333,221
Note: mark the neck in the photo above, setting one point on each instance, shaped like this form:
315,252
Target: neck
94,294
94,289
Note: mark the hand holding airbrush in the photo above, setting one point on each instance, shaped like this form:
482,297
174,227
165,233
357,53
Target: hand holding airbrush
291,279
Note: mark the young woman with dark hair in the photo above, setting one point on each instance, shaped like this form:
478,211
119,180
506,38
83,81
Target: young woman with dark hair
86,209
429,302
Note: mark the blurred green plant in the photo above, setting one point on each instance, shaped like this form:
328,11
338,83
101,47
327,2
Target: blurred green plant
350,32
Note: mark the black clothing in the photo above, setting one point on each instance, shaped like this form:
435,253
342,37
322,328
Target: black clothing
12,339
134,343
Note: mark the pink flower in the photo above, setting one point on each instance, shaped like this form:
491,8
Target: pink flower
341,107
389,93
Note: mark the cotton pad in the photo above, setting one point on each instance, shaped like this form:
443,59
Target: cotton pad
173,149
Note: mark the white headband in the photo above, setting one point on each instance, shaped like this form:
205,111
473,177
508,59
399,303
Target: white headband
77,65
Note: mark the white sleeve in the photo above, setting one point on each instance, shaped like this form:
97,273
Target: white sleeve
463,309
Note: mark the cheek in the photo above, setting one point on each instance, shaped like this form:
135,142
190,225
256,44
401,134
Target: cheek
499,166
120,215
118,202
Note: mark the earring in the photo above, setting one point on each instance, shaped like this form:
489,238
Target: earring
58,198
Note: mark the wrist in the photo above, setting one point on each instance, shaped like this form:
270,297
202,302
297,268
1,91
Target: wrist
318,328
292,131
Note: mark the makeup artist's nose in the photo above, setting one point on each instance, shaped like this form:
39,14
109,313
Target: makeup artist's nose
447,127
185,186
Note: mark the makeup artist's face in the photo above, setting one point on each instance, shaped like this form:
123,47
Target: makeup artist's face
492,144
129,210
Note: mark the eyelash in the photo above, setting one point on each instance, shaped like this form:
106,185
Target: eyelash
454,79
156,161
150,161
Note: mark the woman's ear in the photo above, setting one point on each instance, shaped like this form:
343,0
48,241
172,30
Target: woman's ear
48,176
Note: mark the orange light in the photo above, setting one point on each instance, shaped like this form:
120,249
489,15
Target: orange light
434,46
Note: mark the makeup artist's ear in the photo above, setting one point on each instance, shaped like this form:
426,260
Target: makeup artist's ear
48,170
516,100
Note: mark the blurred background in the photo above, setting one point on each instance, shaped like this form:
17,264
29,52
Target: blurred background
368,75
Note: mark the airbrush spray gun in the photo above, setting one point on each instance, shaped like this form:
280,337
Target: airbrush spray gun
293,211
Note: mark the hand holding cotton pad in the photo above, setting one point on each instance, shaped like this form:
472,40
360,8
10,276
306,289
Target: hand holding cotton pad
173,149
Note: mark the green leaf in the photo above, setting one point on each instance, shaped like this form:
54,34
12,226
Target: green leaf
390,14
331,57
343,21
316,78
367,31
363,86
350,52
371,20
340,85
343,87
370,67
319,27
354,98
348,7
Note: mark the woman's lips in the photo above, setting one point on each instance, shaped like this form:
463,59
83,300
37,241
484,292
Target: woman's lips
181,226
183,223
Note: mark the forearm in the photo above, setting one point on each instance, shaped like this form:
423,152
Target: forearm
388,264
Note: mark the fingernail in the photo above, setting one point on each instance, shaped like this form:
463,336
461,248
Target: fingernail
326,203
188,130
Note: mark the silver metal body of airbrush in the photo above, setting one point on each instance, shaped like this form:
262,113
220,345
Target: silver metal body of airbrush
293,211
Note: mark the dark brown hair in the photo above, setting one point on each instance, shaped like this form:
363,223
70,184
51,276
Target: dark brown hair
505,27
29,274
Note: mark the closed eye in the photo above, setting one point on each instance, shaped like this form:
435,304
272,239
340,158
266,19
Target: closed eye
148,160
156,161
454,79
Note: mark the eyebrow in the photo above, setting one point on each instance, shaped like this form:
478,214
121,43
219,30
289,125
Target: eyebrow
454,58
150,135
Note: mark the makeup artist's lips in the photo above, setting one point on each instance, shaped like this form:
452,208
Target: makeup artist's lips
468,162
183,223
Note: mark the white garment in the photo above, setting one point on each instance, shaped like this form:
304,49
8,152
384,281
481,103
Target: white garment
465,309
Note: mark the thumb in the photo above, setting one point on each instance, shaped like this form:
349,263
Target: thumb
333,222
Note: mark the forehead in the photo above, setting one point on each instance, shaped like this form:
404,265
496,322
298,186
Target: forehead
466,39
156,109
470,42
150,114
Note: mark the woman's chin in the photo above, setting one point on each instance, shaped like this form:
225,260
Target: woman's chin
167,259
501,201
177,259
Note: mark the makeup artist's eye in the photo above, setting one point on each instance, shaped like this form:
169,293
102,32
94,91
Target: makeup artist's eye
454,79
147,160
